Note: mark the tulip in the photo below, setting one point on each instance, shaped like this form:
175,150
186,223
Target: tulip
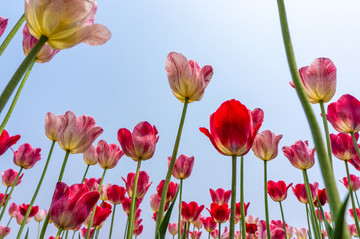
300,192
138,230
265,145
209,224
20,218
3,200
251,224
322,196
142,186
215,234
26,156
186,78
90,156
65,24
195,235
299,155
101,214
155,202
220,213
170,195
344,115
355,161
238,209
173,228
233,128
277,190
141,143
24,207
319,80
103,192
70,206
301,233
40,215
183,166
84,231
198,223
353,230
4,231
126,205
3,25
45,54
9,177
351,211
137,223
116,194
13,209
220,196
6,141
76,134
52,124
190,212
108,154
342,146
354,182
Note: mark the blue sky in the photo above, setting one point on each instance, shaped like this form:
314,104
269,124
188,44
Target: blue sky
124,82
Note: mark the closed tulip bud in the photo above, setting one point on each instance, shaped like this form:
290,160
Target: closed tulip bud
265,145
26,156
141,143
76,134
319,80
277,190
116,194
183,166
108,154
90,156
6,141
190,212
45,54
40,215
354,182
13,209
299,155
301,233
92,183
24,207
142,186
65,23
101,213
173,228
9,177
52,124
186,78
172,189
344,115
20,218
352,213
238,209
342,146
3,25
4,231
220,196
103,192
220,213
300,192
155,202
209,224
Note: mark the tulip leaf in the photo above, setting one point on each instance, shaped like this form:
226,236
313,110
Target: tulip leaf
184,231
27,234
164,223
340,219
329,229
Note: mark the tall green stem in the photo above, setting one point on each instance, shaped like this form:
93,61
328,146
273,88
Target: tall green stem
4,197
12,106
171,167
133,202
283,219
11,34
219,236
112,221
355,144
308,221
9,221
11,191
325,166
233,197
94,208
36,191
14,81
266,201
38,234
87,169
180,209
242,198
59,232
326,128
357,200
352,197
126,227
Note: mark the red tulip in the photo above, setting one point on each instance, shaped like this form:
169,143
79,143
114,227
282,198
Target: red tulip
116,194
251,224
342,146
277,191
92,183
101,213
6,141
141,143
84,231
2,198
173,228
190,212
300,192
195,234
138,230
352,213
355,161
265,145
209,224
24,207
220,213
4,231
76,134
3,24
90,156
321,194
233,128
26,156
183,166
238,209
299,155
142,186
70,206
354,182
220,196
172,189
344,115
9,176
108,154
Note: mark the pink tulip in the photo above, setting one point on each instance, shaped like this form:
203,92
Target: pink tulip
116,194
173,228
90,156
84,231
92,183
155,202
20,218
40,215
183,166
24,207
103,192
141,143
353,230
138,230
299,155
3,25
52,124
108,154
220,196
354,182
300,192
172,189
342,146
209,224
186,78
142,186
301,233
351,211
26,156
4,231
77,133
9,177
2,199
13,209
6,141
195,234
277,190
265,145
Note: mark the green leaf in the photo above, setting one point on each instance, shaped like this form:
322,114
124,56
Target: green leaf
184,231
340,219
27,234
329,229
164,223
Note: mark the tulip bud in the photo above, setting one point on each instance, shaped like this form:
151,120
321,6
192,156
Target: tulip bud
265,145
13,209
26,156
3,25
52,124
183,166
90,156
277,191
9,177
299,155
142,185
40,215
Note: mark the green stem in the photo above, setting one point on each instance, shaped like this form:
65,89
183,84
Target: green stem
87,168
11,191
313,218
326,169
355,144
3,199
266,201
9,221
11,34
12,106
14,81
219,236
352,197
283,219
242,198
112,221
66,234
171,167
357,200
73,236
180,209
59,232
208,236
38,234
308,222
233,197
94,208
326,128
133,202
36,191
97,233
126,226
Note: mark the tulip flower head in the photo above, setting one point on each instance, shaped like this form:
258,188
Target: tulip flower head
40,215
24,207
116,194
190,212
209,224
65,23
84,231
353,230
355,161
172,189
301,233
103,191
13,209
108,154
3,24
195,234
344,115
26,156
342,146
141,143
90,156
354,182
9,177
220,196
299,155
92,183
137,231
300,192
277,190
233,128
6,141
101,214
186,78
238,209
265,145
322,196
220,213
351,212
52,124
251,224
183,166
4,231
173,228
77,134
142,186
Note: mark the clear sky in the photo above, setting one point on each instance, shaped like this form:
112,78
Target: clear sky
124,82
